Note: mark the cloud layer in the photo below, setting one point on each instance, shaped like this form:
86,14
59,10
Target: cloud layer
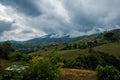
26,19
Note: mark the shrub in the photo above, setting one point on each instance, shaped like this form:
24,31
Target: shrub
107,73
0,67
91,61
16,56
41,69
5,49
88,61
70,63
10,75
111,36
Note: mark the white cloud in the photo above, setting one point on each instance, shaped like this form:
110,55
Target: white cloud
74,17
19,22
53,8
4,13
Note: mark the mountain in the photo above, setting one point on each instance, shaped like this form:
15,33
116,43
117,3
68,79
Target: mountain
50,40
109,43
54,38
57,38
44,42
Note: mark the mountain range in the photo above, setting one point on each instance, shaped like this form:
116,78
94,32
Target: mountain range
53,37
48,41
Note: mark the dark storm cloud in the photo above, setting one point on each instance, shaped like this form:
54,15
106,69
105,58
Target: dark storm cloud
89,14
5,26
24,6
72,17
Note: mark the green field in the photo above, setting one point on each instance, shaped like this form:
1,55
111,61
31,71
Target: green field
110,48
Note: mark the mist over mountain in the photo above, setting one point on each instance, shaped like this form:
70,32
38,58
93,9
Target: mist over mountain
50,38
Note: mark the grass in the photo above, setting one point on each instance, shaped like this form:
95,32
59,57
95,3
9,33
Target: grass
111,48
39,53
71,53
77,74
4,63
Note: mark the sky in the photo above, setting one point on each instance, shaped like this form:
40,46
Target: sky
26,19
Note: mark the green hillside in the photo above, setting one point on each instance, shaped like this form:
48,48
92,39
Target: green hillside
111,48
107,42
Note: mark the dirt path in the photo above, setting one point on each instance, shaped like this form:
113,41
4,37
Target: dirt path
77,74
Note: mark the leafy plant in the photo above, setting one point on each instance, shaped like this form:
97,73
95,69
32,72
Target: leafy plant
107,73
41,69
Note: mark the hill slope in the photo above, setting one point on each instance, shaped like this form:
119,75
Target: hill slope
111,48
103,45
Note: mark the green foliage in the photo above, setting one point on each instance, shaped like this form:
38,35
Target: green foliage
75,46
90,44
81,45
5,49
91,61
7,52
38,69
87,61
0,67
13,72
16,56
110,36
107,73
10,75
41,69
106,59
69,63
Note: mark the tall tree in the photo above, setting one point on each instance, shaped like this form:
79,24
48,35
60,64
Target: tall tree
5,49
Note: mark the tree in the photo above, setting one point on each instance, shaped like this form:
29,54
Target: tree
5,49
107,73
41,69
74,46
111,36
88,61
90,44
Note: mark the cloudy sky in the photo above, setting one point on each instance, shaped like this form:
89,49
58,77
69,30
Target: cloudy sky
27,19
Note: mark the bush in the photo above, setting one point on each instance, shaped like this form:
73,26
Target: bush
5,49
107,73
110,36
91,61
70,63
16,56
10,75
0,67
88,61
41,69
